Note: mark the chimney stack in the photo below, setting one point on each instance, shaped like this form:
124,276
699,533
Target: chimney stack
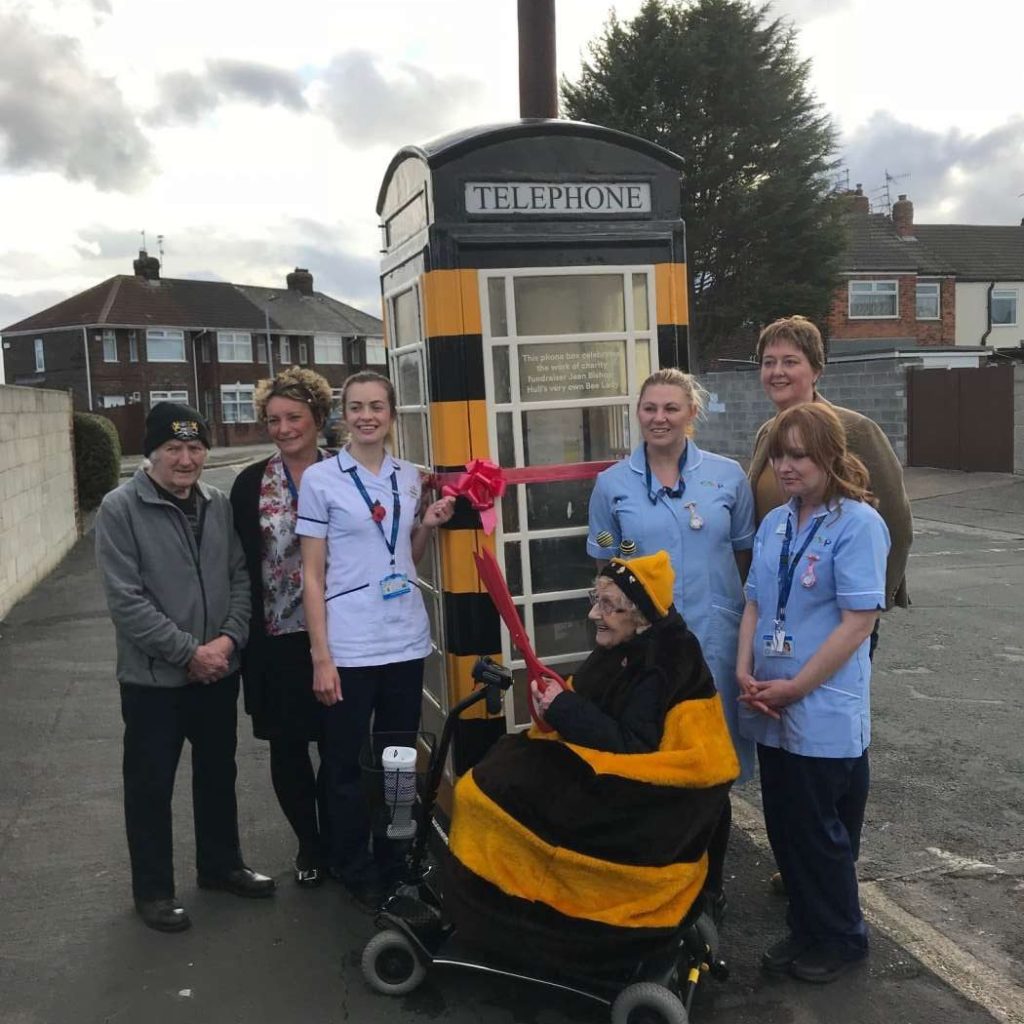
300,280
903,217
859,203
146,266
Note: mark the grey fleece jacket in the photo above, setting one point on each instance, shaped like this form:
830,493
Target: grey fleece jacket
166,594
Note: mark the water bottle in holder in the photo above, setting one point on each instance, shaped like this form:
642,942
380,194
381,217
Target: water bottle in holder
399,765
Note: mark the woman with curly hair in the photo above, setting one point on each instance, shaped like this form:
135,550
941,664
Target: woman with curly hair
277,671
815,589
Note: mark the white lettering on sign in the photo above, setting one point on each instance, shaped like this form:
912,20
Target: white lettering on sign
554,198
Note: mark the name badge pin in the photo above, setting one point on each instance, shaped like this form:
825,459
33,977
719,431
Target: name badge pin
809,579
696,522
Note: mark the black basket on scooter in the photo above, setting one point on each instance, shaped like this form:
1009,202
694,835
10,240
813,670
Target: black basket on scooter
394,766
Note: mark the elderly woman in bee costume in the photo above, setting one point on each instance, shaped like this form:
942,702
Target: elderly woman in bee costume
698,506
587,846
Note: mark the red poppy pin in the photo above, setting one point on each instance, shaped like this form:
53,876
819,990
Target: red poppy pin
377,512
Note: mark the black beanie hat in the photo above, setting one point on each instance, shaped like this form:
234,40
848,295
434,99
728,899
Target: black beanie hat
172,421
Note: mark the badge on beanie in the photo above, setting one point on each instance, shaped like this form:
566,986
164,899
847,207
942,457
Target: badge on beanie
185,430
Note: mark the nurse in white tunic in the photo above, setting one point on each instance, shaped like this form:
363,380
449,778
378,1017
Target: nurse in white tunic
369,633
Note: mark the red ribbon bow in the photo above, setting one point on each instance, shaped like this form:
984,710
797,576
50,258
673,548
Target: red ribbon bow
481,485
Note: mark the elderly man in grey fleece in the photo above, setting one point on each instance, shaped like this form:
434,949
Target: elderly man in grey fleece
178,593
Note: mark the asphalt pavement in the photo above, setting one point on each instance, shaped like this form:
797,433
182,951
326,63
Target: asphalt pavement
943,864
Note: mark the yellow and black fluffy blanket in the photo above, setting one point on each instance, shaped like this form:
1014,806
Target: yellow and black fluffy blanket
587,860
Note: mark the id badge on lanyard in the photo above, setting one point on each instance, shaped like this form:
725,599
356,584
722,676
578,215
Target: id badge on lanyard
779,643
395,584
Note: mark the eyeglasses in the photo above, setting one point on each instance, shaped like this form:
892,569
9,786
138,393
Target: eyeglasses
603,604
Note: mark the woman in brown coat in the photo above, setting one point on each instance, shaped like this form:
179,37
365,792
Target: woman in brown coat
792,359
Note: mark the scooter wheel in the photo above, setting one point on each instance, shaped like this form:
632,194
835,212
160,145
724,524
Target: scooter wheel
648,1003
390,964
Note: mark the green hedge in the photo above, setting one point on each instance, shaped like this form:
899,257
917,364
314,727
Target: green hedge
97,458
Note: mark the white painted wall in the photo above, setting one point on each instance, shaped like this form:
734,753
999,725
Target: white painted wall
37,488
972,315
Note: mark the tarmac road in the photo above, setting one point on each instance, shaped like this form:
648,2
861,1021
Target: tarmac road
942,859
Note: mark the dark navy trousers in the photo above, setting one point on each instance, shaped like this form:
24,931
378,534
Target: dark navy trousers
814,812
389,697
157,721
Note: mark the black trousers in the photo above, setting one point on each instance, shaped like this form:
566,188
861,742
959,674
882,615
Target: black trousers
814,812
390,696
157,721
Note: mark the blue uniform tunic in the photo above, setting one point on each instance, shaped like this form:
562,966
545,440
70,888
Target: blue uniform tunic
849,546
708,592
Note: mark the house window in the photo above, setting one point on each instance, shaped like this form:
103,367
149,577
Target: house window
234,346
327,349
208,407
375,352
261,350
874,300
40,356
1004,307
286,351
167,396
133,347
303,353
927,300
110,347
236,403
204,348
165,346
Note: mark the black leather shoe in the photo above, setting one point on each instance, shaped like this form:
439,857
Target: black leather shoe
825,963
163,915
242,881
778,957
308,875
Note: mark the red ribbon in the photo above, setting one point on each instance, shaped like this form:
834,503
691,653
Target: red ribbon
484,483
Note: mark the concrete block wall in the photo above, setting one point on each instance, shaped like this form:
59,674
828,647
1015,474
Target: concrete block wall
1018,420
738,406
38,516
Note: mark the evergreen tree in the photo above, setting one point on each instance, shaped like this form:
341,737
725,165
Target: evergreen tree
720,83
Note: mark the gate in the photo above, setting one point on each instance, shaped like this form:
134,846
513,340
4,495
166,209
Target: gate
130,421
961,418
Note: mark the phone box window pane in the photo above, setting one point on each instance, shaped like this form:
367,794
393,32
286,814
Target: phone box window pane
407,318
506,443
414,444
433,683
521,683
409,390
560,563
643,361
554,436
496,301
573,304
510,510
558,505
641,318
564,371
514,568
425,569
502,375
562,627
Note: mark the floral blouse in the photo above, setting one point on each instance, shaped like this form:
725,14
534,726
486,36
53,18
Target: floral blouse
282,561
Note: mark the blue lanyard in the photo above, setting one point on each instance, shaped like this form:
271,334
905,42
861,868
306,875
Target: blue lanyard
396,510
787,569
292,489
669,492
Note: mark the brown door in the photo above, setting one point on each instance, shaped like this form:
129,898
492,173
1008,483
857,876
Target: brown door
961,419
130,421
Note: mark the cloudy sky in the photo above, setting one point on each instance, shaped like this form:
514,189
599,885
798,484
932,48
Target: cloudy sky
253,137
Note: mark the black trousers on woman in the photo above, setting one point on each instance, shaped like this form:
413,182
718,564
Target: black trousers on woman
385,698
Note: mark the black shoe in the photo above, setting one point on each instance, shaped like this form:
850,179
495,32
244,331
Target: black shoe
166,915
241,881
308,873
825,963
778,957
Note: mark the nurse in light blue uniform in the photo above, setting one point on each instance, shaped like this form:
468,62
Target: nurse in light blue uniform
698,507
814,591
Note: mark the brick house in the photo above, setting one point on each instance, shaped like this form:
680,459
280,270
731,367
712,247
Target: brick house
131,341
912,285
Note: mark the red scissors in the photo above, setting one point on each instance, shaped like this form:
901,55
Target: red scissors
491,577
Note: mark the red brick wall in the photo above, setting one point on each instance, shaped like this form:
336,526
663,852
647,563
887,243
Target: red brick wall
906,325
